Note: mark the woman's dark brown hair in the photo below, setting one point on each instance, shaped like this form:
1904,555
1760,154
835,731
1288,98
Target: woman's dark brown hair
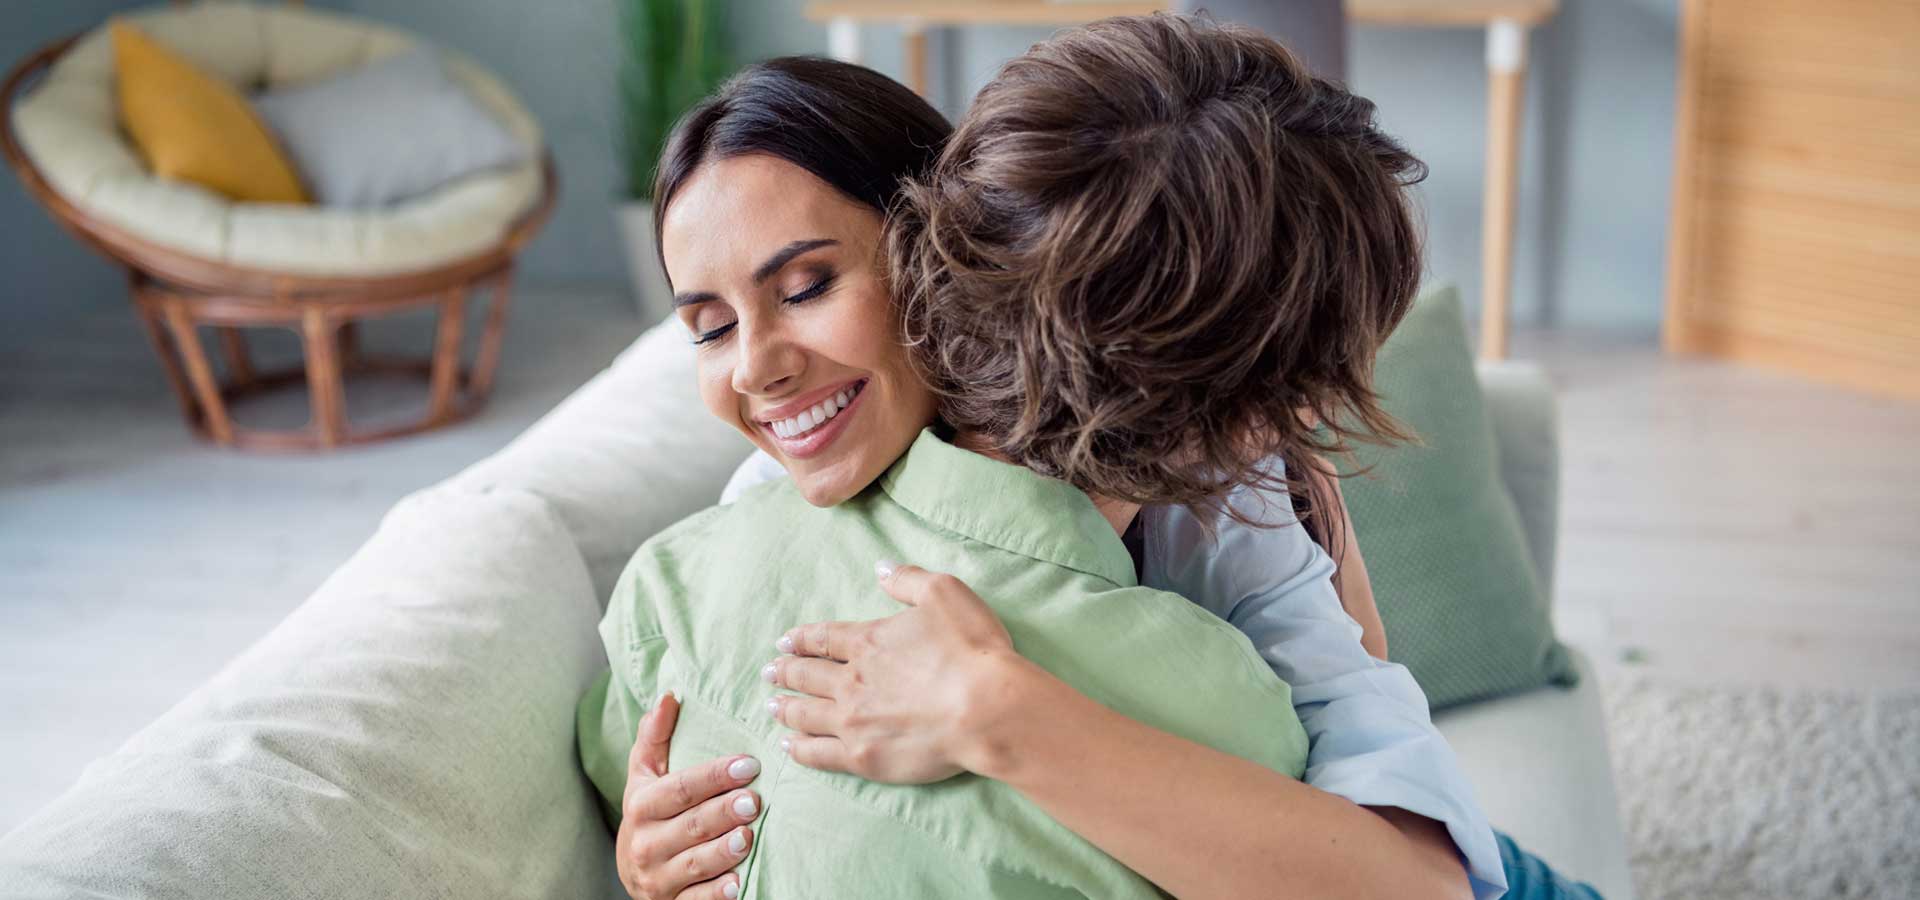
851,127
1156,252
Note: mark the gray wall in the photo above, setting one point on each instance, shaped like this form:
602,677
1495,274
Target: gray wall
1596,149
45,275
1596,152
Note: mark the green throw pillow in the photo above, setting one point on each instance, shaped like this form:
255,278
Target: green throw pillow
1443,544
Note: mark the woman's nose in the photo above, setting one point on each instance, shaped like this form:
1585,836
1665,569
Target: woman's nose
768,362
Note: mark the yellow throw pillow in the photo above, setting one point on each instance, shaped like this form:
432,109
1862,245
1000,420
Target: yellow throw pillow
194,127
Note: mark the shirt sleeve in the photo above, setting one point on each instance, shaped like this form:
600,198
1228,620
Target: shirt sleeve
756,469
1370,735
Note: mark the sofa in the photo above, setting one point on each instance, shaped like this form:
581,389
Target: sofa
408,730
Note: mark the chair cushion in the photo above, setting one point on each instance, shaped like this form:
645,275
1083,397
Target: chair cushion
1451,569
68,126
194,127
388,132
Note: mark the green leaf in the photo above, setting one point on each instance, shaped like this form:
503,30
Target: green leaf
674,53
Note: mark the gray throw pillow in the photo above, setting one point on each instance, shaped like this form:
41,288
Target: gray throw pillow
387,132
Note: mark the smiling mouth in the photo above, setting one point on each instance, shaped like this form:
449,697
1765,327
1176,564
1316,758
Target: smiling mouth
808,421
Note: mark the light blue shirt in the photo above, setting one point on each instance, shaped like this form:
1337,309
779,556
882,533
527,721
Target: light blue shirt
1370,734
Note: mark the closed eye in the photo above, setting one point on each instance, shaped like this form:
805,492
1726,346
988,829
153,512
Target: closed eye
708,337
813,290
821,286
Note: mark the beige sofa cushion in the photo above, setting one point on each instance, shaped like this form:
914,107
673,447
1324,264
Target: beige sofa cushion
629,453
67,126
407,732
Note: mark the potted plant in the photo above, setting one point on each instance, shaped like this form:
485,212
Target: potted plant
673,52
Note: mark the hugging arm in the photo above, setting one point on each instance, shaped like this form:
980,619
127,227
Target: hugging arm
1198,822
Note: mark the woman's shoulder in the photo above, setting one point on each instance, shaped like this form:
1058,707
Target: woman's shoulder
1218,560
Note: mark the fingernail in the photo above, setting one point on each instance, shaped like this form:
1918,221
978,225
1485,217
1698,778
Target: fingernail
744,768
785,644
773,706
767,673
884,568
731,890
737,841
743,805
786,745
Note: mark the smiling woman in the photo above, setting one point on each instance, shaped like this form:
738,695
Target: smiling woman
771,239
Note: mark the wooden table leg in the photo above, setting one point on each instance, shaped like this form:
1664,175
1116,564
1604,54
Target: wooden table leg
199,372
447,333
1506,78
488,357
915,58
325,387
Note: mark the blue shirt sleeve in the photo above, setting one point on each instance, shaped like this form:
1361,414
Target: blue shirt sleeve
1371,736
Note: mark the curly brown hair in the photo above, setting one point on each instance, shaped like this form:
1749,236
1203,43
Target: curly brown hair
1156,252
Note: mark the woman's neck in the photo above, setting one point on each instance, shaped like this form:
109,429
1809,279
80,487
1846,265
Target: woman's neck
1118,513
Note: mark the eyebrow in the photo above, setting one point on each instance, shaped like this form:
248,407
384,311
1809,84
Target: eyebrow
763,272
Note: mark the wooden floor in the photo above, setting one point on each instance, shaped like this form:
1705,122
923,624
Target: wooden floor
1720,522
1726,523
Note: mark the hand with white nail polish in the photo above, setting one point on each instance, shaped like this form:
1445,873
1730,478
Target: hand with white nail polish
907,699
682,833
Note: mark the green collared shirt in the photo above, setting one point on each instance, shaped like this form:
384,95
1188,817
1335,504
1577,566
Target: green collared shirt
700,605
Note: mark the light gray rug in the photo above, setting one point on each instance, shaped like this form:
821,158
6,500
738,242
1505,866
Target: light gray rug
1760,793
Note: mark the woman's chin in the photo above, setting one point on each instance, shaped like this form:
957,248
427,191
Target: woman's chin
829,482
822,489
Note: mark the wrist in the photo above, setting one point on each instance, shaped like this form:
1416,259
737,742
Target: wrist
1005,692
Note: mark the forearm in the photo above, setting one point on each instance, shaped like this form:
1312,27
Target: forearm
1197,822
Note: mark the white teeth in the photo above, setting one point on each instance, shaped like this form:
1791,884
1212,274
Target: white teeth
812,418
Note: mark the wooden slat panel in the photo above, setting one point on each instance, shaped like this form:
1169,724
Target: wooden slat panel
1841,46
1797,188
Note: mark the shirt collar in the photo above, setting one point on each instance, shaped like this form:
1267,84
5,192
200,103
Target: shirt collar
1007,506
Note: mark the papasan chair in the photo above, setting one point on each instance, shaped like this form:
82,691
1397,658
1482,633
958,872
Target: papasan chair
196,259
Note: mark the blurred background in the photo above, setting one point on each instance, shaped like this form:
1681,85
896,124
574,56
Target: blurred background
1714,224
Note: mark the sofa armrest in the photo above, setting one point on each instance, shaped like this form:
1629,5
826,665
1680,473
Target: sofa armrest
1540,766
1526,431
407,732
626,455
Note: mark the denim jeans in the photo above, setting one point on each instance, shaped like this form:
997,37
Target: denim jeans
1528,878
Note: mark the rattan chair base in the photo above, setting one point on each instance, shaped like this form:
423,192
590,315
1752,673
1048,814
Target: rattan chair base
328,332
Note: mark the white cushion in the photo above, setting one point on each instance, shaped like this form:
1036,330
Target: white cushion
68,124
626,455
407,732
1540,765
